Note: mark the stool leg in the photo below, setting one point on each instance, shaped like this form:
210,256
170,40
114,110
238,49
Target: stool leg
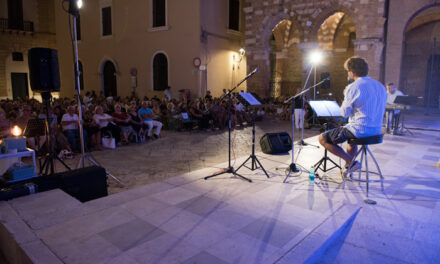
378,169
366,167
362,158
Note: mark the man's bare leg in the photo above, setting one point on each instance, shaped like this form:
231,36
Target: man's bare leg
336,150
351,151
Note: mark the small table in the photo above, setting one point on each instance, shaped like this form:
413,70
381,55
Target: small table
27,153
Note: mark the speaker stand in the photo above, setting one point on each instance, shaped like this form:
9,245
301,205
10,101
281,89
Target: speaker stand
252,157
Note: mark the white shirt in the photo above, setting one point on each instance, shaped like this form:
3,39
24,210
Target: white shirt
67,117
364,105
99,119
392,97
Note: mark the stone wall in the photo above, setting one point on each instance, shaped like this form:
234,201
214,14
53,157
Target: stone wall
307,17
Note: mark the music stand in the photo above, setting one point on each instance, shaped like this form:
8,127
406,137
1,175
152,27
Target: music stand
407,100
35,128
250,100
325,109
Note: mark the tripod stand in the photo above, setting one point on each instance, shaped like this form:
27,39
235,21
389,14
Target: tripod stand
48,163
230,169
326,109
83,156
292,167
252,157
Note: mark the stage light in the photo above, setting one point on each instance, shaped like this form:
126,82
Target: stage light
74,6
16,131
315,57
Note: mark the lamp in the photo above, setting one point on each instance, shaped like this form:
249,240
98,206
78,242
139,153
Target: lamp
16,131
315,57
74,6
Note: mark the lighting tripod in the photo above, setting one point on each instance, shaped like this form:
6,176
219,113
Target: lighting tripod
83,156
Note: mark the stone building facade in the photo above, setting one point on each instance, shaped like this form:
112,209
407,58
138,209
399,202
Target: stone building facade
34,27
280,34
125,58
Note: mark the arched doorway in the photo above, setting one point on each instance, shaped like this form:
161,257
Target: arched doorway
285,60
420,70
335,38
109,79
160,72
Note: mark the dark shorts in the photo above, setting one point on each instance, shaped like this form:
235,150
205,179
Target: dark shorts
337,135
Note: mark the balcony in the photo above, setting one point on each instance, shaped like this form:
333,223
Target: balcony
27,26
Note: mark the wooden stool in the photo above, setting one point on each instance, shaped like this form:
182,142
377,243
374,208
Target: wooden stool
364,151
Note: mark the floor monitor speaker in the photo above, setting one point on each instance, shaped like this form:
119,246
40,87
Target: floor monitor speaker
272,143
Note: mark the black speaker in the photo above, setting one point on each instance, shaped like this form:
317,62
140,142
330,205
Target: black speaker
44,70
272,143
84,184
326,83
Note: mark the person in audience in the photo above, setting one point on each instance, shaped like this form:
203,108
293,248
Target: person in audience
136,123
5,125
106,124
70,122
147,118
122,119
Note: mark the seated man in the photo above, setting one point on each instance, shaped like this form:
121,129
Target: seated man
70,124
147,118
364,105
393,116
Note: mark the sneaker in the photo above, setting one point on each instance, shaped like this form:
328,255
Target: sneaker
155,136
345,172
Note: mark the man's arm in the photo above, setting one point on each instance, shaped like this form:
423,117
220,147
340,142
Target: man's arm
347,104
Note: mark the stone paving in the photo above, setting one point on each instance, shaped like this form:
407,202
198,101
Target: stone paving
179,152
186,219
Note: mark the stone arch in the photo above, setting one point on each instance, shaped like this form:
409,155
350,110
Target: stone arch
415,14
269,23
419,62
312,35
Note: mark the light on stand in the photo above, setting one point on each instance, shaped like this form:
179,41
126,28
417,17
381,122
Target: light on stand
74,6
315,57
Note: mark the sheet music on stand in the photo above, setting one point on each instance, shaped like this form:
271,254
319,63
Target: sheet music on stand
36,127
248,99
325,108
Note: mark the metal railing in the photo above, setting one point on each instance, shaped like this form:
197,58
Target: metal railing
27,25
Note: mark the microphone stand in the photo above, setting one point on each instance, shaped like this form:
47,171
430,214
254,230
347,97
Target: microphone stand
292,167
301,141
230,169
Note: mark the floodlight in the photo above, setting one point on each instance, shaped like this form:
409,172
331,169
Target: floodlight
315,57
74,6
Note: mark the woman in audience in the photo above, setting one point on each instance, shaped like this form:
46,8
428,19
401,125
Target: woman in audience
106,124
136,122
122,119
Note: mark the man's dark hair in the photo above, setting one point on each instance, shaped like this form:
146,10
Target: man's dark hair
357,65
390,83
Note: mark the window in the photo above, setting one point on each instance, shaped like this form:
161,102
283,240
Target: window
78,28
106,15
159,13
160,72
17,56
234,15
15,14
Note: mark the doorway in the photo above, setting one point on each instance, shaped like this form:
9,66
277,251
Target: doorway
110,88
432,85
19,81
